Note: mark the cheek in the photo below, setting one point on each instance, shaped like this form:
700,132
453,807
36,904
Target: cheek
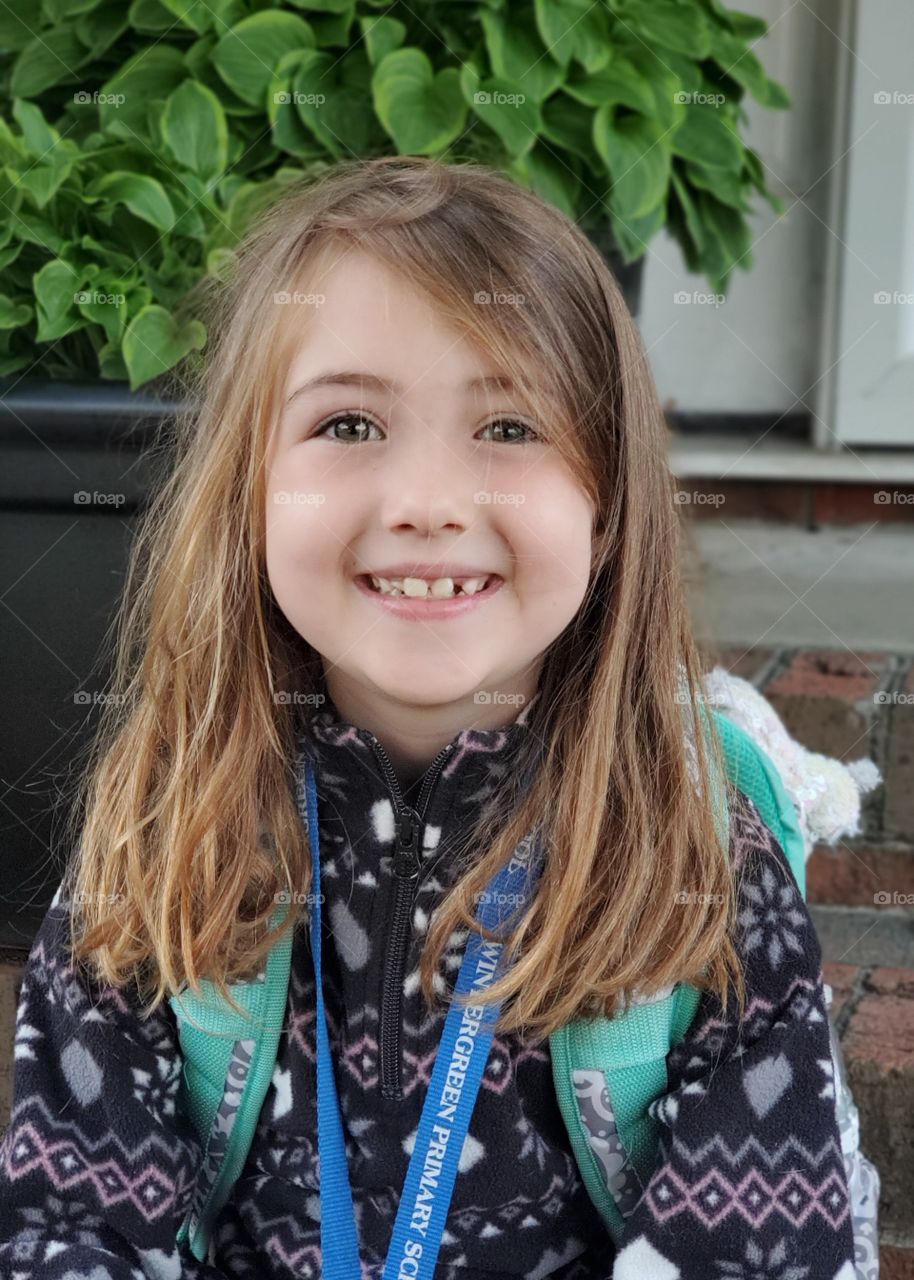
555,524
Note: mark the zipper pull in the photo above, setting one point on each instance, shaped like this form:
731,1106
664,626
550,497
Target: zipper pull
407,863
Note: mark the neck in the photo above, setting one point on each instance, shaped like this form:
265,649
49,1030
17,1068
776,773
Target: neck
413,735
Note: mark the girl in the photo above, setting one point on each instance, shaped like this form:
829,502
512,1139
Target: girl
421,533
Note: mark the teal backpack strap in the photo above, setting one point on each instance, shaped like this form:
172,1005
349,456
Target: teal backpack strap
752,770
607,1071
228,1062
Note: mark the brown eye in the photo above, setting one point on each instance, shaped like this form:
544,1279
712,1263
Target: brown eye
351,415
512,422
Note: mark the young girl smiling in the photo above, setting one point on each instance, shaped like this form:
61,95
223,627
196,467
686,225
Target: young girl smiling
419,548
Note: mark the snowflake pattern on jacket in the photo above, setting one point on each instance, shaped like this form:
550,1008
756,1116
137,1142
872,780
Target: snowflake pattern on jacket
98,1163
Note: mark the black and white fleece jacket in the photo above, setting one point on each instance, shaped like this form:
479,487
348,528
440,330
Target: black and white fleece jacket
98,1162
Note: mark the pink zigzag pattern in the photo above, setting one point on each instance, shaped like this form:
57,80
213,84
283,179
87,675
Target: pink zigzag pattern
150,1190
754,1198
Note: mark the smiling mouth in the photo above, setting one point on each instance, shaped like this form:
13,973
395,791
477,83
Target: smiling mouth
420,589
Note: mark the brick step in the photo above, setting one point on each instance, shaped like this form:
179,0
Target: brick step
811,504
865,935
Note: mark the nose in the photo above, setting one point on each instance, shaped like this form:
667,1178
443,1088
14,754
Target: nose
427,486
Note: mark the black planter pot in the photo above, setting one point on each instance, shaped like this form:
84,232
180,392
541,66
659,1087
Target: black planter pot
72,480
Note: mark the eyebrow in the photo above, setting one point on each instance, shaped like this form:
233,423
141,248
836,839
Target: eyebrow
371,382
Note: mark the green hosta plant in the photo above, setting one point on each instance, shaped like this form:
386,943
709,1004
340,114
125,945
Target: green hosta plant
137,141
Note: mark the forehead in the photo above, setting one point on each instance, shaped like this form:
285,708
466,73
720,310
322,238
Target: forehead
355,313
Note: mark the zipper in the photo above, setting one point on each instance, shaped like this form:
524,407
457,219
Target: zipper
407,865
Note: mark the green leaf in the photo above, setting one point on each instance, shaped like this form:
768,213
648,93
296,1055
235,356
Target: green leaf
145,197
381,35
333,110
569,125
52,58
42,182
747,25
724,184
17,24
690,213
12,148
194,129
105,303
150,16
194,14
10,254
13,315
56,286
332,29
119,261
247,56
668,25
636,152
38,231
99,30
154,343
551,180
60,10
728,239
632,235
37,134
422,112
708,138
519,57
659,71
574,29
288,132
145,80
740,63
620,82
507,113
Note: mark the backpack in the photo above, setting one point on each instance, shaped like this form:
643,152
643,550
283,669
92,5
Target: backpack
229,1058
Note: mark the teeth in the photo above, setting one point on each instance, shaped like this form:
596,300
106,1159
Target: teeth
418,588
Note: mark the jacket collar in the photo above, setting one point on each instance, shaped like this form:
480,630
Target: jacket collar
472,762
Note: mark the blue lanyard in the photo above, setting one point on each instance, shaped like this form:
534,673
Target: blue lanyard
452,1091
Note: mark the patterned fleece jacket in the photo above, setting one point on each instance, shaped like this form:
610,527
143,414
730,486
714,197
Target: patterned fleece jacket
97,1165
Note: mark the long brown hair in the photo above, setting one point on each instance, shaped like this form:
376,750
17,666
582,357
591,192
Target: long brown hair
185,829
